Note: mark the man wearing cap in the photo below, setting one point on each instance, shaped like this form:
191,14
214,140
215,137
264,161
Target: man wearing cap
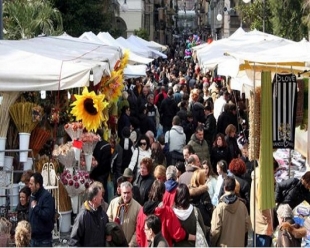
124,210
128,176
171,185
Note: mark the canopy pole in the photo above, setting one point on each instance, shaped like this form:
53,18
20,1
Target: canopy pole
255,159
1,20
308,124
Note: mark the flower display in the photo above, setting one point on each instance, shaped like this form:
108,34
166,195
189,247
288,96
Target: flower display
74,130
112,86
88,108
65,154
89,140
75,183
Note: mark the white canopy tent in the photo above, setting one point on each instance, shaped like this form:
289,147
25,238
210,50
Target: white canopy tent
134,71
160,47
136,49
134,58
213,54
150,44
53,63
141,43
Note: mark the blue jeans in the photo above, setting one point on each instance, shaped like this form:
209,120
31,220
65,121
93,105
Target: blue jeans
41,243
263,240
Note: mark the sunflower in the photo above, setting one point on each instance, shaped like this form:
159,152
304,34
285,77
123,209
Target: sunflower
88,108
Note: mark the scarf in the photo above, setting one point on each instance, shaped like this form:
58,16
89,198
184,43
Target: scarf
122,209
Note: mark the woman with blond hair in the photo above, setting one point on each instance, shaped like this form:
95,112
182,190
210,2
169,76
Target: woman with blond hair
200,198
160,173
23,234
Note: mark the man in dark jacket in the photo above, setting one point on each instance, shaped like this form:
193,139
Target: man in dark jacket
209,126
168,110
101,172
41,213
90,225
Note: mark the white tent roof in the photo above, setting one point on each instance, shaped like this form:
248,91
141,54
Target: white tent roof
90,36
289,52
254,41
133,71
53,63
137,41
160,47
136,49
150,44
134,58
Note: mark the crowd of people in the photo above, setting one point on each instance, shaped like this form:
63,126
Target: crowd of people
174,162
178,160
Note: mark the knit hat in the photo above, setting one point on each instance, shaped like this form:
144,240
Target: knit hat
171,172
128,173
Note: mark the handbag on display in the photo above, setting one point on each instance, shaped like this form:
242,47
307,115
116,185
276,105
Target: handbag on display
201,240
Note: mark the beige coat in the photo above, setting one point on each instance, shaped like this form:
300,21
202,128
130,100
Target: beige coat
262,220
130,218
230,222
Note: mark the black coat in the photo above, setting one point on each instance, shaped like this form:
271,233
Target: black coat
219,153
233,148
292,192
89,228
102,154
223,121
168,110
209,129
42,216
144,183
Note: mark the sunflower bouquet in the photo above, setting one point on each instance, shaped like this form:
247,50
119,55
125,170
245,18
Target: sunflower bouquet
65,154
74,130
89,140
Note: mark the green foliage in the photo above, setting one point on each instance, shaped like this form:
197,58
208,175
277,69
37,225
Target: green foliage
287,19
142,33
252,14
80,16
23,19
282,18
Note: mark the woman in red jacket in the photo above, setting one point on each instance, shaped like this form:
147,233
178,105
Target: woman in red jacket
171,228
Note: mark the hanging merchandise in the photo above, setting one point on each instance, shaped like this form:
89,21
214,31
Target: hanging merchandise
284,90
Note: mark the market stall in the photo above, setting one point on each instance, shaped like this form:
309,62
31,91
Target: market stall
58,125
